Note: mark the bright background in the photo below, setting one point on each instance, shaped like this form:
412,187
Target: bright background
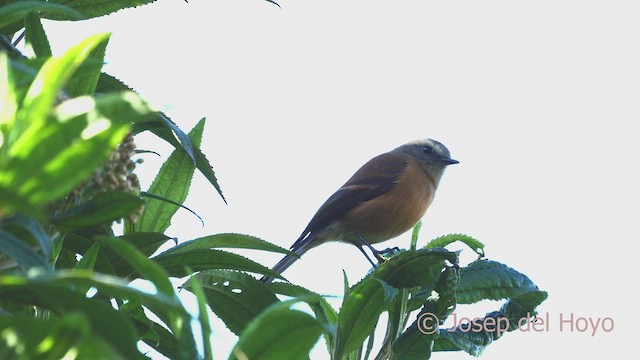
538,101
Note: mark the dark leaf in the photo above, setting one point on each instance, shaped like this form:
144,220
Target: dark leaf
36,35
206,259
103,208
237,298
278,333
21,252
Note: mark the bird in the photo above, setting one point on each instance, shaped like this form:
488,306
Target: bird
383,199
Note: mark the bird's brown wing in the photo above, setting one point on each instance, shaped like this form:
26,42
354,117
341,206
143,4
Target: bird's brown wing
373,179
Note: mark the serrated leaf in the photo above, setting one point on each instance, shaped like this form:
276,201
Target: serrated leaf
417,340
474,337
36,35
189,143
92,9
172,182
414,268
206,259
11,15
279,333
167,130
235,297
443,241
109,83
486,279
228,240
205,168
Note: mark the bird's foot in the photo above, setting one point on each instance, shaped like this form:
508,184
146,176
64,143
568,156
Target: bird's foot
380,255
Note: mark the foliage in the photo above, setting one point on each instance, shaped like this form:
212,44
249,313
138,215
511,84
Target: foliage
67,172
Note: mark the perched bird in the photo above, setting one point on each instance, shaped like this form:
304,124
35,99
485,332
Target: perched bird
386,197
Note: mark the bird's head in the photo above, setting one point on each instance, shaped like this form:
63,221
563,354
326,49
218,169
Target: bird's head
430,154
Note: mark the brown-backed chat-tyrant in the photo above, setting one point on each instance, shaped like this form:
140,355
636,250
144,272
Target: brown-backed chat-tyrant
386,197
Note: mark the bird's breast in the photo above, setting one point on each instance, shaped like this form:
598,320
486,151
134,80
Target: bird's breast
395,211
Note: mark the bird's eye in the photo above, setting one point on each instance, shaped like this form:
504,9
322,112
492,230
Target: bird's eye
427,149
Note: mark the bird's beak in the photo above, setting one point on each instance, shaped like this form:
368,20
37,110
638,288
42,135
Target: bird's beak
449,161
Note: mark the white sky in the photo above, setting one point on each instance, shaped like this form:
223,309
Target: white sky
538,101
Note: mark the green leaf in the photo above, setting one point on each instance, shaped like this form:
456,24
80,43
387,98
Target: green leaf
148,195
92,9
145,267
36,35
105,321
414,236
8,101
236,297
32,227
205,168
113,287
54,73
103,208
21,252
161,340
109,261
88,260
324,312
414,268
188,145
146,243
52,338
206,259
85,83
417,340
161,125
359,315
172,182
178,321
167,130
203,317
109,83
11,15
279,333
445,240
486,279
228,240
50,159
474,337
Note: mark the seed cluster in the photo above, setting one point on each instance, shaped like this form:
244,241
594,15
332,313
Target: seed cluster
116,174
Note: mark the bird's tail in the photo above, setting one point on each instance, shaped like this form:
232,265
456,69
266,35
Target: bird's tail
299,248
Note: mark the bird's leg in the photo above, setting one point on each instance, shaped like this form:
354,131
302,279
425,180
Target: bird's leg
376,253
367,256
